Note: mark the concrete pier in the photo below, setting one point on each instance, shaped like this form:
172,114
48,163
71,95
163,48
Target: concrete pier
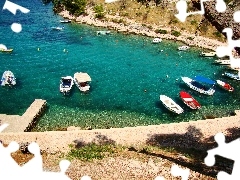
27,121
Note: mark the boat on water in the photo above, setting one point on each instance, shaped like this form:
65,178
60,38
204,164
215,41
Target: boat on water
3,48
183,48
197,86
66,84
208,54
65,21
170,104
103,32
225,85
189,100
82,81
8,78
232,76
223,62
156,40
58,28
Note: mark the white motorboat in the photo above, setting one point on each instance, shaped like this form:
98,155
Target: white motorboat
8,78
231,75
195,85
183,48
66,84
208,54
82,81
223,62
103,32
58,28
156,40
66,21
3,48
170,104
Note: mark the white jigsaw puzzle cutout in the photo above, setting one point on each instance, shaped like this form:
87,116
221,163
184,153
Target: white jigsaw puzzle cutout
177,171
227,150
12,7
9,169
182,8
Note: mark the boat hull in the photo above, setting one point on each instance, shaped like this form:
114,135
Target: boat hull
232,76
170,104
66,85
189,100
197,86
8,78
225,86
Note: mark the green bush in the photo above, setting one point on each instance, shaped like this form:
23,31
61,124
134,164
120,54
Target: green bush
190,38
161,31
217,34
175,33
75,7
99,11
193,22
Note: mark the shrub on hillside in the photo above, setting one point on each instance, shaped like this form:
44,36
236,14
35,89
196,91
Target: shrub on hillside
175,33
161,31
99,11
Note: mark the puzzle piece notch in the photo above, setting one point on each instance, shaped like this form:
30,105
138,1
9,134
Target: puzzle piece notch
177,171
182,8
87,178
227,150
228,50
236,16
12,7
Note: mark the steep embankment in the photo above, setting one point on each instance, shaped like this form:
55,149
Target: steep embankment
222,20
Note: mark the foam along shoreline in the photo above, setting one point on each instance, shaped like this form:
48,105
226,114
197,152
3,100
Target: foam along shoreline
130,26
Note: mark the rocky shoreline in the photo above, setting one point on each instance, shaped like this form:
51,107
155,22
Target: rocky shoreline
130,26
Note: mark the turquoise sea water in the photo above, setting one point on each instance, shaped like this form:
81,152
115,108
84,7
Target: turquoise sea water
128,74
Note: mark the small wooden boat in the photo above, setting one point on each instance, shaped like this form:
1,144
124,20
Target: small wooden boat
58,28
183,48
223,62
170,104
232,76
66,21
208,54
103,32
6,50
8,78
189,100
3,48
66,84
156,40
225,86
82,81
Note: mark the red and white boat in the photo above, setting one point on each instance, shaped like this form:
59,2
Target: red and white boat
189,100
225,86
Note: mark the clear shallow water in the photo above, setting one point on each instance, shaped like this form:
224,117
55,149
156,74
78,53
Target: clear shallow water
128,74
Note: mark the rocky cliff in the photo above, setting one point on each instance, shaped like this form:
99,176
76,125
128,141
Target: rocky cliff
222,20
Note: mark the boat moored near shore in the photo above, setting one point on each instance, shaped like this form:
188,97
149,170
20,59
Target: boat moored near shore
8,78
208,54
82,81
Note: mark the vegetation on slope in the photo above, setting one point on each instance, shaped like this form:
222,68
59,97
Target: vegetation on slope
147,13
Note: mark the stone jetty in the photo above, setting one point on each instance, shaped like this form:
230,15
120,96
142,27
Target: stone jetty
27,121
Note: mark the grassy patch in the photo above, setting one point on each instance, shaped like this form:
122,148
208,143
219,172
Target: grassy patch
91,151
